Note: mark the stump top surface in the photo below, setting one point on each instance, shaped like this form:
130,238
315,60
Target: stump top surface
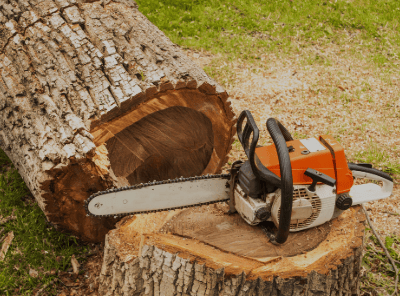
213,226
209,236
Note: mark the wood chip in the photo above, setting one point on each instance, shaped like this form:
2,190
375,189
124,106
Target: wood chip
6,245
141,245
75,264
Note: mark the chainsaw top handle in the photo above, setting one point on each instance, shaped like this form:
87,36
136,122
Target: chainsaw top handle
279,135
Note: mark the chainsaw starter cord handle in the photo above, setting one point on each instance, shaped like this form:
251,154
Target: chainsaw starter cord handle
285,166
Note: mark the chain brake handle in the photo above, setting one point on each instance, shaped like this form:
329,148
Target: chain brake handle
244,133
244,138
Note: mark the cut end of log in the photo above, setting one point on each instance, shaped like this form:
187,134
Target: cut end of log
166,144
177,133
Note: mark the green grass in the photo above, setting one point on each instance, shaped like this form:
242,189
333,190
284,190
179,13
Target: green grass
239,27
379,271
377,156
35,245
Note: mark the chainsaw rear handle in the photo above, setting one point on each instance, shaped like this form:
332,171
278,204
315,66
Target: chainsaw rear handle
279,135
369,192
373,174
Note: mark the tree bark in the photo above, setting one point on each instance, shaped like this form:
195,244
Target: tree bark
204,251
93,96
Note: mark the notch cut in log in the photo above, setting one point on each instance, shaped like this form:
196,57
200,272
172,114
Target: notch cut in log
204,251
93,96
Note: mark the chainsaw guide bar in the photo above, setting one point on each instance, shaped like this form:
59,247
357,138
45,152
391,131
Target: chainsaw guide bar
224,177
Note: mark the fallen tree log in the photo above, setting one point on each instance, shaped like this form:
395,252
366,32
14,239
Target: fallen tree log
204,251
93,96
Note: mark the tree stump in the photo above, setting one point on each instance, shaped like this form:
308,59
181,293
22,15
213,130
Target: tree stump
205,251
93,96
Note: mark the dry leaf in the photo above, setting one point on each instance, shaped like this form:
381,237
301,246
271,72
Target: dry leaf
6,245
75,264
33,273
6,219
9,218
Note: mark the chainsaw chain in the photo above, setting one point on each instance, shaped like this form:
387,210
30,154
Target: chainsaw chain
155,183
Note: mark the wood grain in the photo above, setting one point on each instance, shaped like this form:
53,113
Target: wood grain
231,233
166,144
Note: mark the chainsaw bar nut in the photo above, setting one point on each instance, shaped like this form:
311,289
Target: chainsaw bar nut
344,201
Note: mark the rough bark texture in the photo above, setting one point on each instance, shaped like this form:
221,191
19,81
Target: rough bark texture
142,259
85,89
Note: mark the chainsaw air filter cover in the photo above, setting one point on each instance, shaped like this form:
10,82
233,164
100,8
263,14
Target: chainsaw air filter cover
309,209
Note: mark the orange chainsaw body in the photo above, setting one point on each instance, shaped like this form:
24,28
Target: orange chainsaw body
331,161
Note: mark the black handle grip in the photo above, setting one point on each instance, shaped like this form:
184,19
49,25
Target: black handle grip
244,138
370,170
259,170
286,180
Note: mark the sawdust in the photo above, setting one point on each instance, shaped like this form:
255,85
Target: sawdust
134,228
84,283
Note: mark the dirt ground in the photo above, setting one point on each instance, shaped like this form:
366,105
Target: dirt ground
86,283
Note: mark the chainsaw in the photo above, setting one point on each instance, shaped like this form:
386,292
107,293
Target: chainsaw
296,184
